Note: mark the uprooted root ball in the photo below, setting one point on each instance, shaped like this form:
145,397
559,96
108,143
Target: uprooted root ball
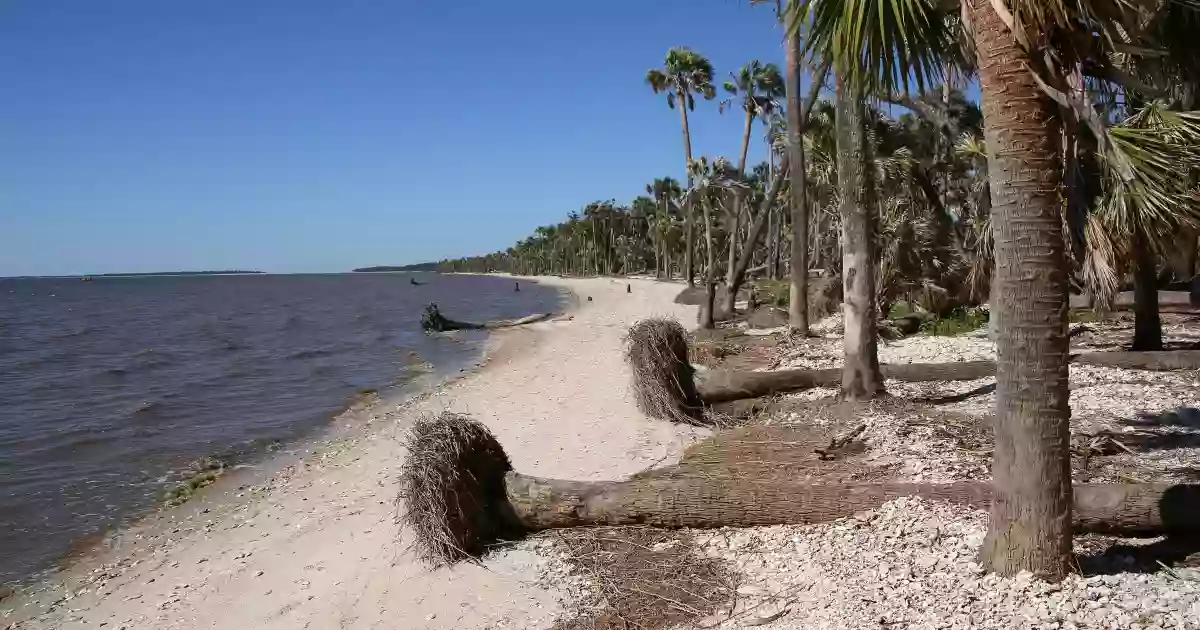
663,381
452,487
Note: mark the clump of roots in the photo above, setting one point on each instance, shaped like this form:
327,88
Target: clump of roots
663,379
452,489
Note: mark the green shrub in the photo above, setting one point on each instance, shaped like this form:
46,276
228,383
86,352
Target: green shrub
957,322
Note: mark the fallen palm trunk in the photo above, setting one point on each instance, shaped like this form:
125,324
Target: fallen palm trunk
665,388
1160,361
725,385
462,496
434,321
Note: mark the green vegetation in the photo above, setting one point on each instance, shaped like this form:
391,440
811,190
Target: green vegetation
772,292
204,473
957,322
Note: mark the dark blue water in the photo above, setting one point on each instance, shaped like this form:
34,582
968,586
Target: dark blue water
109,389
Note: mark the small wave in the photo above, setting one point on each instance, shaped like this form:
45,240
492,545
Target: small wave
69,334
149,410
148,358
293,322
112,374
312,353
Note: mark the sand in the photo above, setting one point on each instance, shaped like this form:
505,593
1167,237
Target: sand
310,541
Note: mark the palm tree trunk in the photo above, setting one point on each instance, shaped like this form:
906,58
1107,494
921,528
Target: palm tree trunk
689,239
689,262
1029,527
710,279
734,225
1147,325
861,378
798,290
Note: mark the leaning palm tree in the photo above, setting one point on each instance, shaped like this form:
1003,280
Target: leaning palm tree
1029,56
711,183
684,74
756,88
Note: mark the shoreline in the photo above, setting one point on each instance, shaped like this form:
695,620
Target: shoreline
110,583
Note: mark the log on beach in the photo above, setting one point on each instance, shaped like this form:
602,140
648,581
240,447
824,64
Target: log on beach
1159,360
462,496
538,503
726,385
665,386
433,320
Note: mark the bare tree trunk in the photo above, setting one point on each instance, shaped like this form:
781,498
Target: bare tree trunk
861,378
798,300
734,225
1147,325
710,278
689,254
720,386
537,503
1030,524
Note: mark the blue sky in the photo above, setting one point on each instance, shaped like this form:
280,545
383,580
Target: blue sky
321,135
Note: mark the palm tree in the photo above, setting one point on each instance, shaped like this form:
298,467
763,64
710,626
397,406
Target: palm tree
757,87
664,191
684,74
711,181
1029,56
1030,524
861,377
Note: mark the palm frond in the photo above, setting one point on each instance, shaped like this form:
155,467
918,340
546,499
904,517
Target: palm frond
877,45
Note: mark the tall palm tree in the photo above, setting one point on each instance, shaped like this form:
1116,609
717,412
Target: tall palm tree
861,376
685,73
875,47
757,88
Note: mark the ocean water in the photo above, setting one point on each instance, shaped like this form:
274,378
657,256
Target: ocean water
111,389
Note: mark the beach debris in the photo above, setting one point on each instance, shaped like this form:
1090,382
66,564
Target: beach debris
663,378
452,486
659,379
461,497
432,320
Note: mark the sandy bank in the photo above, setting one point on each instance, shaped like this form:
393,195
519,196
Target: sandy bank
314,543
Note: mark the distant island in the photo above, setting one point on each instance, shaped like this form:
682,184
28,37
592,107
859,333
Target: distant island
428,266
169,273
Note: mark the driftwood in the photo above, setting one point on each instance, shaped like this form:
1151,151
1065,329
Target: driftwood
433,320
462,495
725,385
742,502
720,386
1159,361
663,374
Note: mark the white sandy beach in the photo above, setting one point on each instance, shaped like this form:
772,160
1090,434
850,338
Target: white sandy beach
315,545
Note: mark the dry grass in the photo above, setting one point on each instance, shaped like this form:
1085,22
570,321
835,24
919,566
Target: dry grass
452,489
663,382
643,578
